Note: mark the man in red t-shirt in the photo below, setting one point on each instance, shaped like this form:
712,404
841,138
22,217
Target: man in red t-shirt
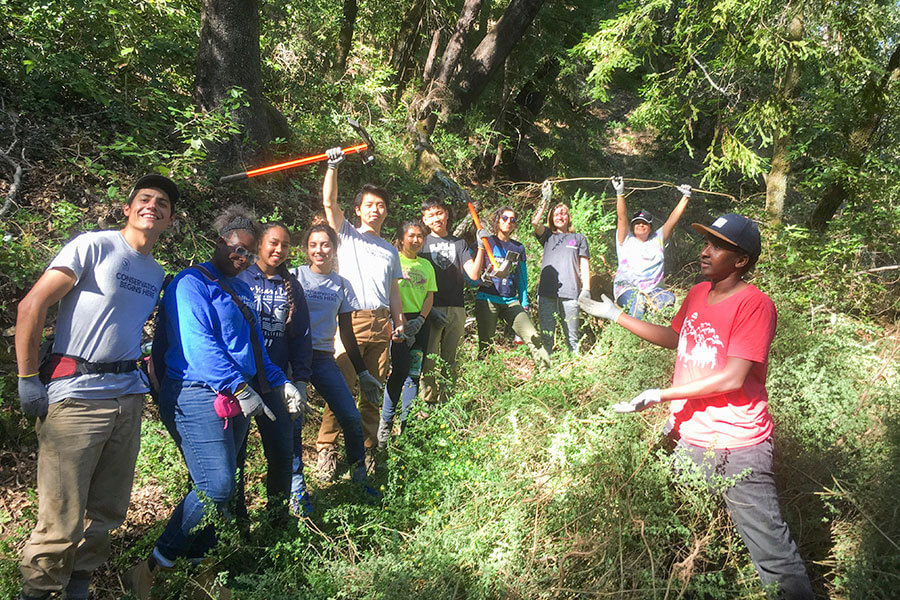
718,399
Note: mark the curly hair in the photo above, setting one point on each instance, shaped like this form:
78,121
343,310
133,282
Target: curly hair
495,216
236,218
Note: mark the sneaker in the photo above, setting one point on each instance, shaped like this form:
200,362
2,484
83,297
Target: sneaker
326,464
360,476
384,433
301,505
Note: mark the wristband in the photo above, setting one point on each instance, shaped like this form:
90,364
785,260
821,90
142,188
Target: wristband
27,376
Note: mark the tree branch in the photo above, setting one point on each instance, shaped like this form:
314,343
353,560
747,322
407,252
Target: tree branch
708,78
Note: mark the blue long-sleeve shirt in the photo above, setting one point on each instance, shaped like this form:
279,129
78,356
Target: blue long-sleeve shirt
208,338
287,344
514,286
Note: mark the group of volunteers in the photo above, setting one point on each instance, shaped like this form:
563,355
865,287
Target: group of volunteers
369,324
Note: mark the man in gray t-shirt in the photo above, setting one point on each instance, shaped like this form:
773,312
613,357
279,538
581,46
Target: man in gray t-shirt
107,284
372,266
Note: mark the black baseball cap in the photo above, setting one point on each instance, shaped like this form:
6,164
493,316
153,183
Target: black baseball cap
642,215
737,230
155,180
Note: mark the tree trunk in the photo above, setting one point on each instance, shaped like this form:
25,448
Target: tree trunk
493,50
431,60
406,44
227,57
345,37
454,50
776,180
873,104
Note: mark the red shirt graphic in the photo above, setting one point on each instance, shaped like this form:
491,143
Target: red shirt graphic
741,326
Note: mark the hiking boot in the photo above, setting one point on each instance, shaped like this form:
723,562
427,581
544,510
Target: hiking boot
205,585
326,464
139,579
384,433
373,465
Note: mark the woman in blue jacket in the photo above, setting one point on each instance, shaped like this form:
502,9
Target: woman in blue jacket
280,303
213,352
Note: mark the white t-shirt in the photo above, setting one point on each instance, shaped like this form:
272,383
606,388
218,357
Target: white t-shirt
327,296
371,264
640,263
102,318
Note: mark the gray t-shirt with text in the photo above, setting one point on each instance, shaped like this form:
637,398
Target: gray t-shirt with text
371,265
327,296
560,266
102,318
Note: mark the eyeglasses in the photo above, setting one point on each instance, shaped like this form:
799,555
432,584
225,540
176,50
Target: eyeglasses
242,252
508,218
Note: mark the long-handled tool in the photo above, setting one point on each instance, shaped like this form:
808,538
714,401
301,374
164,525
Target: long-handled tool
366,150
501,269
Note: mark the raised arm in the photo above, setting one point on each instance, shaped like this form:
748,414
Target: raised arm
537,221
333,213
676,213
621,212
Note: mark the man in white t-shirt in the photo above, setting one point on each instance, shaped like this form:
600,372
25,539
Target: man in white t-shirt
372,266
88,425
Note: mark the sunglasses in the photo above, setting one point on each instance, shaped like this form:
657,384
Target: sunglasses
242,252
508,218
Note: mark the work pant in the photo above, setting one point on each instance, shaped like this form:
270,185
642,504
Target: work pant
87,450
567,309
401,361
752,503
278,446
443,342
636,302
486,316
329,382
209,445
373,335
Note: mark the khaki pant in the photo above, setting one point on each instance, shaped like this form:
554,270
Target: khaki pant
373,336
87,450
443,342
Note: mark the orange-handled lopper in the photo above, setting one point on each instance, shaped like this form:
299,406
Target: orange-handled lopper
487,245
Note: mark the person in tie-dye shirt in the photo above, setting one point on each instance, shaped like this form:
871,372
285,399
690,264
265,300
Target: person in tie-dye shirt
640,250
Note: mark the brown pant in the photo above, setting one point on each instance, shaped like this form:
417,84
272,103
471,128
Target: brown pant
87,450
373,335
443,342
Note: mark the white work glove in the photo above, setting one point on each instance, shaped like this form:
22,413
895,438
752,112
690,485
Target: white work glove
294,397
643,400
685,189
371,388
33,396
413,326
546,191
604,309
618,184
251,403
335,157
439,318
584,294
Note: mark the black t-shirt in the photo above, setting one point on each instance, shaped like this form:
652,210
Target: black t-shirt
447,255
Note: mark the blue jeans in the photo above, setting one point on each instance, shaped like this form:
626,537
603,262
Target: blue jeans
752,503
401,360
209,446
329,382
635,301
567,309
278,446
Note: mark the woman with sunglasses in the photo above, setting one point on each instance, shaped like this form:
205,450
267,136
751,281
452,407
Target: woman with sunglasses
507,297
640,250
208,351
281,305
331,303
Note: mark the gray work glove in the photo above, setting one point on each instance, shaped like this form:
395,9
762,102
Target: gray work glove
643,400
252,404
439,318
584,294
618,184
604,309
482,234
335,157
33,396
413,326
294,397
685,189
371,387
